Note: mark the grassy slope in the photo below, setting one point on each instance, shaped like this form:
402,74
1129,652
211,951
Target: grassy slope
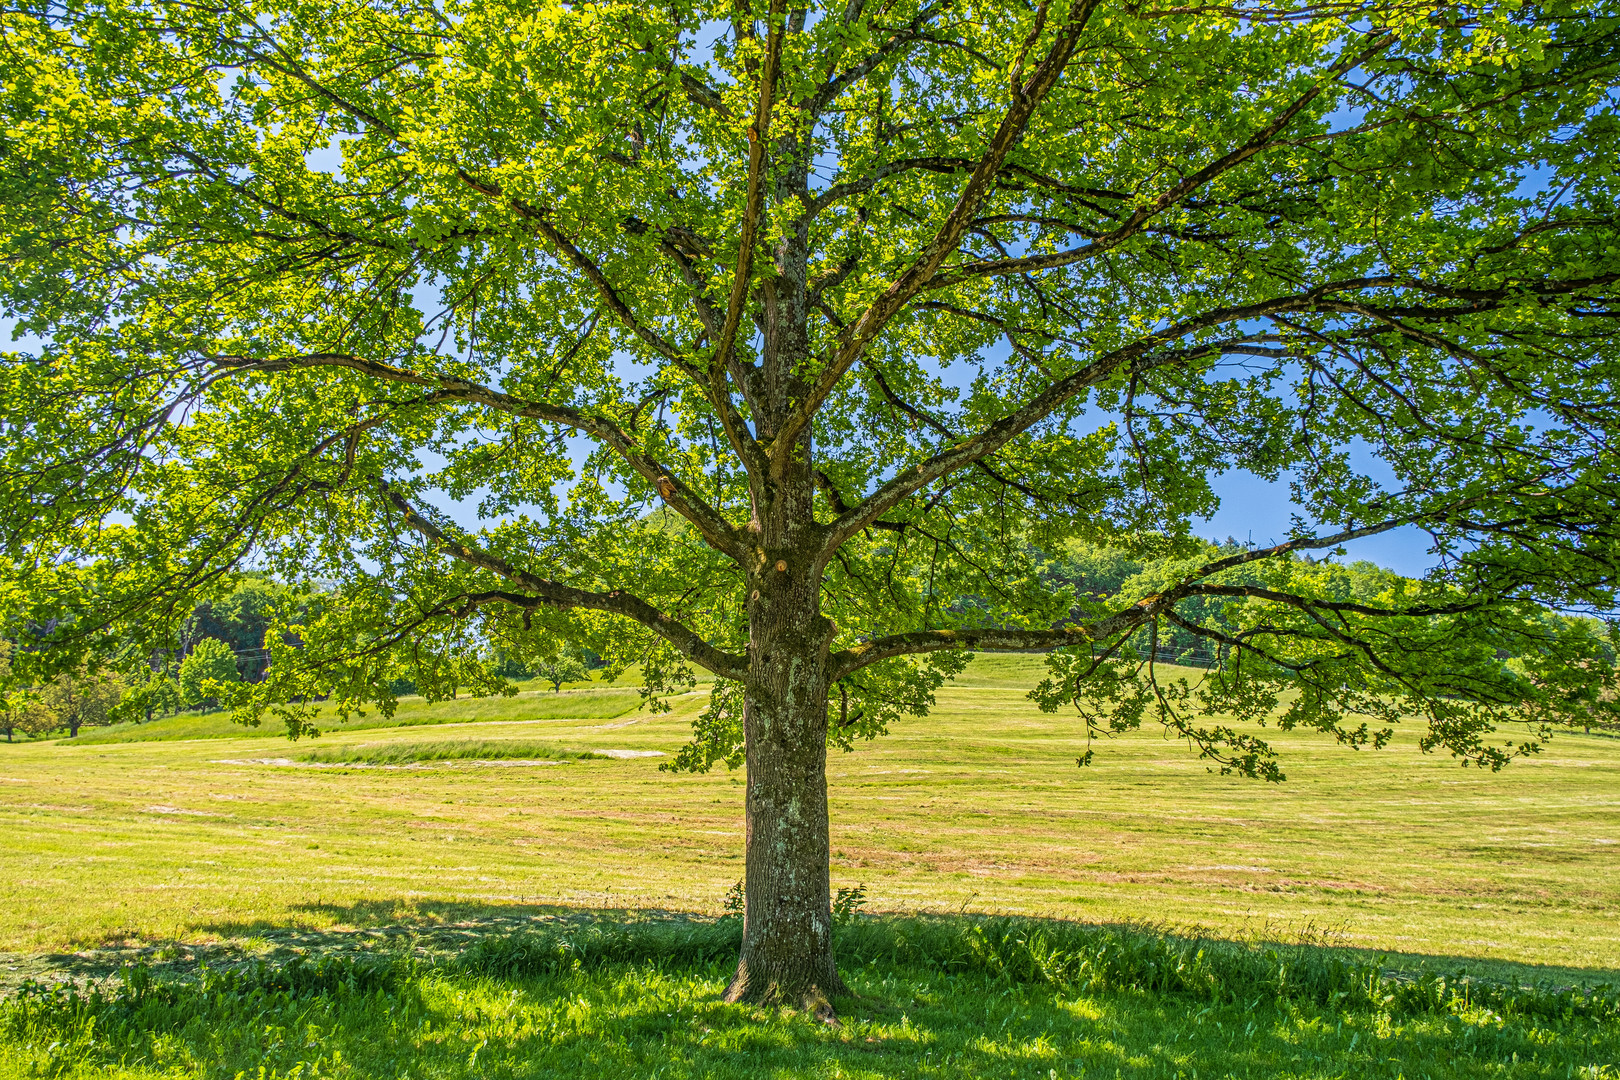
978,806
530,703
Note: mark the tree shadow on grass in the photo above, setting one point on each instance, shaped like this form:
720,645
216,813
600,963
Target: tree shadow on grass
526,991
441,925
437,931
646,1021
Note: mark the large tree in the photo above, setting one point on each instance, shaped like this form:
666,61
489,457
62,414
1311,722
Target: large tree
787,341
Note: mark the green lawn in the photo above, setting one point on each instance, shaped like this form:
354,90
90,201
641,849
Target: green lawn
232,843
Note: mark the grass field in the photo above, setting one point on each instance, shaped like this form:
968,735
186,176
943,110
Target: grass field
230,846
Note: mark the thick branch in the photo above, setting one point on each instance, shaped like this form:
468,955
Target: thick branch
714,387
1138,614
755,204
554,594
541,219
1342,607
711,524
847,661
1134,358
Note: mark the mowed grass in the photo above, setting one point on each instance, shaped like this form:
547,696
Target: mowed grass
978,807
529,703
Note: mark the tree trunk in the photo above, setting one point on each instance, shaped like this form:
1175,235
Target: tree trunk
787,921
73,729
787,953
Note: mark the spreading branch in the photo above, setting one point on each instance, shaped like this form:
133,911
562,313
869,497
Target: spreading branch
540,590
1139,356
675,493
1139,218
1140,613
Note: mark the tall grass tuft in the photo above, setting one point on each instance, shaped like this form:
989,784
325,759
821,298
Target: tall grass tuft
403,753
1071,958
1125,959
83,1024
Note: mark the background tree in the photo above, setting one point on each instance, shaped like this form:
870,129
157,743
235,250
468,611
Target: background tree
211,666
150,691
73,700
872,303
11,700
242,617
561,668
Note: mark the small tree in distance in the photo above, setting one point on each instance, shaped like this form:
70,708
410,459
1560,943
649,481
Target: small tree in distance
786,341
11,699
150,691
210,667
559,669
73,700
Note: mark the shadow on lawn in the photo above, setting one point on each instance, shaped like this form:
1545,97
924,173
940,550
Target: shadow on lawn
446,926
530,992
443,932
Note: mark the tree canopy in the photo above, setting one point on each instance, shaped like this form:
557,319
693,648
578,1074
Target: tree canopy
203,674
788,341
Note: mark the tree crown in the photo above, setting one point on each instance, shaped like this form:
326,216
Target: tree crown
895,299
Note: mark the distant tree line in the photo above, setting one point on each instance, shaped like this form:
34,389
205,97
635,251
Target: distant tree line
1108,575
224,640
1102,576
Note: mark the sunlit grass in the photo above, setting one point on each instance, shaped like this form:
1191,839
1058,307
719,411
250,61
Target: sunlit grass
932,998
977,807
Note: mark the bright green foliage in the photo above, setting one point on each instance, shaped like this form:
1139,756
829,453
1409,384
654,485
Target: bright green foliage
242,618
957,284
149,693
206,672
11,702
561,669
71,700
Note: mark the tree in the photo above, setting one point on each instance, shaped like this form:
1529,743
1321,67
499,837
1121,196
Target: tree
781,342
11,703
242,617
150,691
72,700
561,668
210,666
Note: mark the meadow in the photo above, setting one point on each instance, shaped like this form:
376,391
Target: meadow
414,847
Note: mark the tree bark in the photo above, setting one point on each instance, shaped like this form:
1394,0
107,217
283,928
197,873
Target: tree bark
787,955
